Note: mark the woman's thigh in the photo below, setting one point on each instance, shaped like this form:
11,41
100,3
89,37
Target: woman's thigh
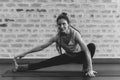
58,60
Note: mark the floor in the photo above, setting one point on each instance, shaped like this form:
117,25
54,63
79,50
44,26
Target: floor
73,67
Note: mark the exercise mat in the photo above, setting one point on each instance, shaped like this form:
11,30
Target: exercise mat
104,73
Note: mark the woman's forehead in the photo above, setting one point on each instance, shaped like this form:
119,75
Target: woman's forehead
62,21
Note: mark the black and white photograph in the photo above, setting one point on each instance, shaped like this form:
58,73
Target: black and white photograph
59,39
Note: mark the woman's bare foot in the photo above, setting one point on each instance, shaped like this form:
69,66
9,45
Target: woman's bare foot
15,64
19,68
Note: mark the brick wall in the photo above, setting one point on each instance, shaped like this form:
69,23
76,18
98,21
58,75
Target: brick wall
25,24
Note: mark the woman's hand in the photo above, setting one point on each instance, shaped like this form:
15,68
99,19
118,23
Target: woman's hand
91,73
19,56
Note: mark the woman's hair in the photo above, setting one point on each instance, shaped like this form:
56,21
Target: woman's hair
63,16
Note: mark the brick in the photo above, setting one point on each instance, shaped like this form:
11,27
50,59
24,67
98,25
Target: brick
3,30
8,41
10,36
65,10
98,36
12,10
41,10
9,20
86,36
22,35
106,11
107,41
56,0
44,1
61,5
23,5
29,30
19,10
34,20
16,25
47,21
115,45
32,40
34,36
104,45
29,1
4,1
1,5
85,6
1,35
4,45
68,1
116,41
110,21
21,20
48,35
106,1
96,21
19,1
92,11
16,45
94,1
37,25
5,10
30,10
36,5
0,20
74,5
11,5
28,45
113,6
35,31
118,55
14,50
20,40
4,55
43,25
35,16
28,25
101,6
3,25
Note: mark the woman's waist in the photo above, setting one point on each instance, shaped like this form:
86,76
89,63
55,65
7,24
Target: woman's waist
73,53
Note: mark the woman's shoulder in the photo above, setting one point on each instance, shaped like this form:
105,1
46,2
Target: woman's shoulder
74,31
55,37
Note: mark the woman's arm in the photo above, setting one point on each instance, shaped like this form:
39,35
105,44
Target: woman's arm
41,47
38,48
84,48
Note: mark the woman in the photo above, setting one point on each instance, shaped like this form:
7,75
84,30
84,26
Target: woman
69,39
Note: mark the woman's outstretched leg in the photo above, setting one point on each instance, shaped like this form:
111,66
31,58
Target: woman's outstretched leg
58,60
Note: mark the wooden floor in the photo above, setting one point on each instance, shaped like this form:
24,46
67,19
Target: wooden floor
73,67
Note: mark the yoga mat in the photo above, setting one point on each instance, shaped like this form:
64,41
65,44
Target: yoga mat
9,73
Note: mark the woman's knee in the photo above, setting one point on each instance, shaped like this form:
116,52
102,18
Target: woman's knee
92,48
91,45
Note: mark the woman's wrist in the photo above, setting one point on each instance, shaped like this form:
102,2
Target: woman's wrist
89,69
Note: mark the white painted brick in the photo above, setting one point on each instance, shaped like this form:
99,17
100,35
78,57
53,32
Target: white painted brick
29,23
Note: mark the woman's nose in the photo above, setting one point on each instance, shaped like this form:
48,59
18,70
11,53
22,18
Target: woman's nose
61,26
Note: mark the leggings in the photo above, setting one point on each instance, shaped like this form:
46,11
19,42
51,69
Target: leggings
63,59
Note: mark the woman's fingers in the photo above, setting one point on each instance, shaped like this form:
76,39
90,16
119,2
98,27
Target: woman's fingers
91,73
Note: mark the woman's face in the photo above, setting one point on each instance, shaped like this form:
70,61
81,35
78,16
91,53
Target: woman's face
63,25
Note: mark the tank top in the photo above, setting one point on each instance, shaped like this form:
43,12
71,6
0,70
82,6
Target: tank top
69,43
